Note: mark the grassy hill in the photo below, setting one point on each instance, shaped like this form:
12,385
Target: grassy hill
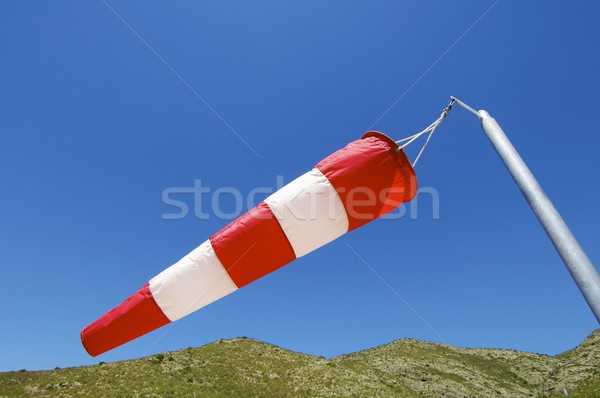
251,368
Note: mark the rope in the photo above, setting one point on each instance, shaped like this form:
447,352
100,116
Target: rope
429,129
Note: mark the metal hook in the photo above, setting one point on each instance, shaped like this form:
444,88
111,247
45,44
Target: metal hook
447,109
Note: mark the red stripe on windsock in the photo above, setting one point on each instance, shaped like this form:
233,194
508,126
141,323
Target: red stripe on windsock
136,316
252,246
370,177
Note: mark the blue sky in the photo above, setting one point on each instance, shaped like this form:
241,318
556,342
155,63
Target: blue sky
95,126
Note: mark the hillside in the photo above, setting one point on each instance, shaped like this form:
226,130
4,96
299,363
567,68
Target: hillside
246,367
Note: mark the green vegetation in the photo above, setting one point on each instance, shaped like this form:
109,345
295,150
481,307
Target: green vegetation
250,368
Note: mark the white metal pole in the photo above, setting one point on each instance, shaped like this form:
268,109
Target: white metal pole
579,265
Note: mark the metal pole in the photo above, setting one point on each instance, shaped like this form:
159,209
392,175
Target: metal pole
583,272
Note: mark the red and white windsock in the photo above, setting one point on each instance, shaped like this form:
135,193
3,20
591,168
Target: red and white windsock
357,184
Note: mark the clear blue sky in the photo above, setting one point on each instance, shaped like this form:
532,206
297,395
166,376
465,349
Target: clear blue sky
94,127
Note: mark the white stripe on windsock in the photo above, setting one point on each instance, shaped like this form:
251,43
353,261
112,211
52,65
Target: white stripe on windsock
309,211
196,280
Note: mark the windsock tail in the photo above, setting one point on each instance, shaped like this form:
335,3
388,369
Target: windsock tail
134,317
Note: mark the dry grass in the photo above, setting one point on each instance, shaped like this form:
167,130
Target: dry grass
250,368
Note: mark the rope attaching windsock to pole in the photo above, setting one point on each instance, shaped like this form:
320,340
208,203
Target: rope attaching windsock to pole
429,129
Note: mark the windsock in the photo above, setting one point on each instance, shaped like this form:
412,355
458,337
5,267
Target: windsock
368,178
